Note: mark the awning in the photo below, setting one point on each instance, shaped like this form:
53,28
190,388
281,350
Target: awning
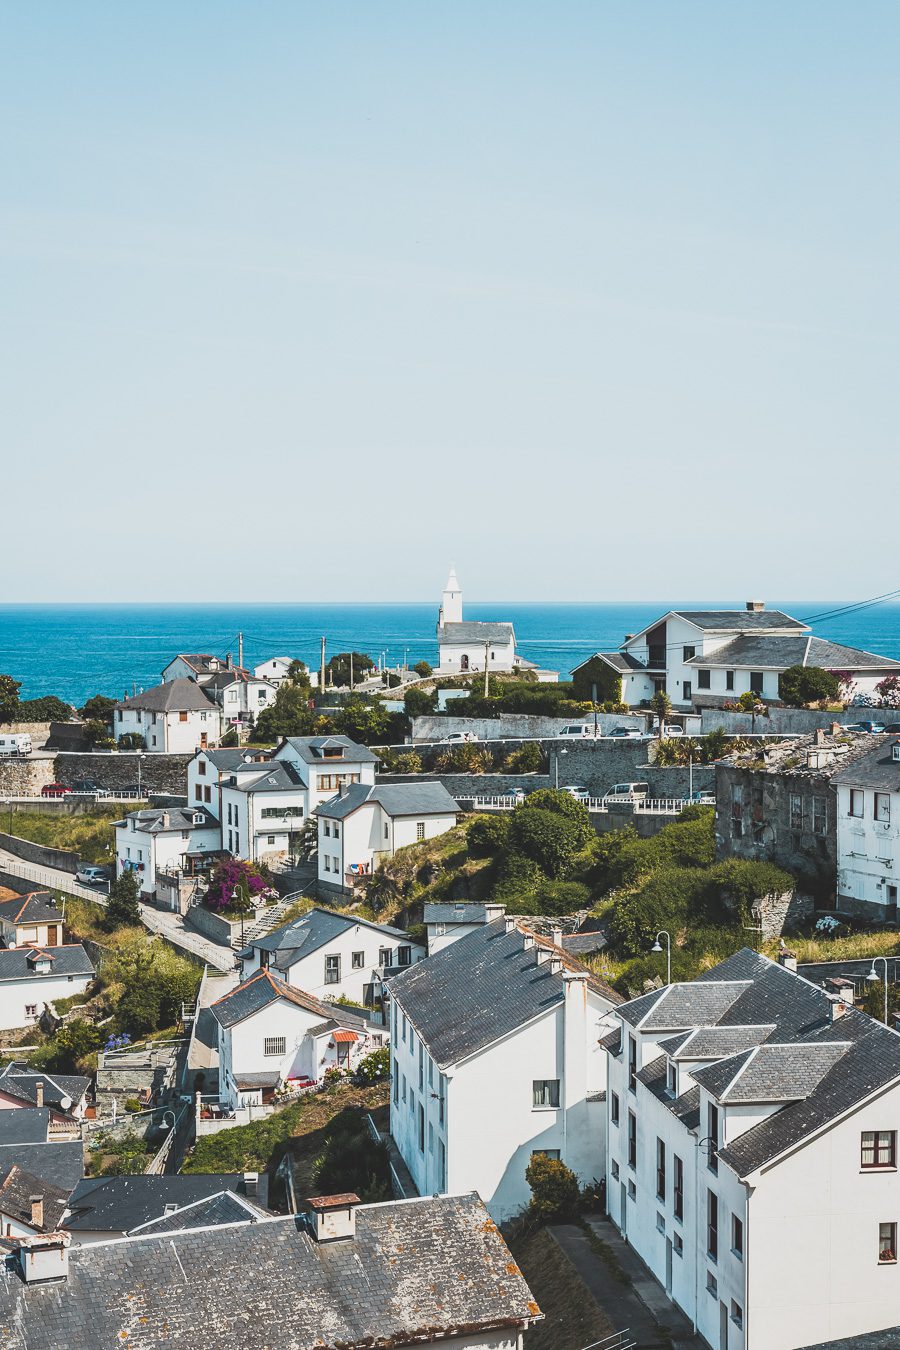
345,1036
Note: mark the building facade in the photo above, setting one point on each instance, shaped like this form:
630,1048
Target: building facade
362,825
868,833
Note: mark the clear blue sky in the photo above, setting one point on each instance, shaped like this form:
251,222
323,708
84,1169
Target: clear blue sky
304,301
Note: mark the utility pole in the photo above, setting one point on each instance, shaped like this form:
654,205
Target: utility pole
487,653
240,650
322,672
351,672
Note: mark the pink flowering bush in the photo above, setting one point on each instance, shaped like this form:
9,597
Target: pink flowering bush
237,885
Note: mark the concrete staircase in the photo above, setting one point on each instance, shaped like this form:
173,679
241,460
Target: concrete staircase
271,919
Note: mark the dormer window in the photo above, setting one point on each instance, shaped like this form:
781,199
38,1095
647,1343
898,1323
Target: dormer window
332,752
895,752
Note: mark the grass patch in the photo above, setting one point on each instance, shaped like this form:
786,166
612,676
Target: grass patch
90,835
852,946
572,1318
605,1252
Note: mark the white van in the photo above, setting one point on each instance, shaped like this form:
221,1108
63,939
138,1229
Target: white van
575,729
628,791
18,743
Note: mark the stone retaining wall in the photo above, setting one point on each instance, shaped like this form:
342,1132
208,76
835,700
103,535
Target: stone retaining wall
514,726
24,777
118,770
40,854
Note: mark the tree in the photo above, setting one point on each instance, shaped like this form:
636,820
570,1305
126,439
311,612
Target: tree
289,714
124,908
131,740
564,804
96,732
549,839
555,1195
366,723
662,706
46,709
338,669
487,836
420,702
9,698
800,685
97,706
423,668
298,674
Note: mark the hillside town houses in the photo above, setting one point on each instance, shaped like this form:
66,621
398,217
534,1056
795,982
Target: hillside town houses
363,824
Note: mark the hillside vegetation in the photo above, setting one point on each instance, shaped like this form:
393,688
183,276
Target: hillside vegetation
91,835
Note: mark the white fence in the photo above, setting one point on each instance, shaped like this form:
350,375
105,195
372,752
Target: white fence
659,806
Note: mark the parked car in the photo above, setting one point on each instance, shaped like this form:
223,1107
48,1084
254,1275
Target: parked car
457,738
517,794
93,876
701,799
55,790
672,729
87,786
872,728
629,790
16,743
576,790
626,734
576,729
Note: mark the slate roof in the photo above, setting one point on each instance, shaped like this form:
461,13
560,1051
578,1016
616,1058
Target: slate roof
226,1207
472,630
314,930
61,1164
623,661
888,1339
20,1082
416,1271
311,749
170,819
121,1204
878,769
715,1042
198,661
24,1126
278,776
70,959
778,653
859,1055
181,695
465,911
740,620
36,907
16,1190
234,759
264,988
480,988
692,1005
583,944
414,799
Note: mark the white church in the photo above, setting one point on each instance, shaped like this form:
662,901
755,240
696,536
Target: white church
465,645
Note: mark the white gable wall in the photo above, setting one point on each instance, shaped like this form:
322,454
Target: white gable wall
18,996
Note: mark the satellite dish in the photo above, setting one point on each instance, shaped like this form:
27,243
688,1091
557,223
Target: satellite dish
11,944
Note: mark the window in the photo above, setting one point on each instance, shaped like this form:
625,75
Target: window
756,681
887,1243
326,830
384,956
796,811
403,1088
677,1244
819,816
883,807
420,829
614,1168
672,1079
387,833
688,652
404,956
857,802
182,717
712,1284
551,1153
332,969
678,1193
737,1314
270,839
358,960
660,1222
632,1063
660,1170
712,1129
702,679
614,1108
31,1010
632,1191
336,830
421,1068
274,1045
198,792
712,1225
326,862
632,1139
545,1092
878,1148
686,690
421,1128
430,1137
737,1237
729,679
396,1081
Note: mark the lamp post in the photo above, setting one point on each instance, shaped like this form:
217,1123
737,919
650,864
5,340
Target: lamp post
657,948
872,978
559,753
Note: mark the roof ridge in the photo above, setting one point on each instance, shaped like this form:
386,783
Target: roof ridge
751,1056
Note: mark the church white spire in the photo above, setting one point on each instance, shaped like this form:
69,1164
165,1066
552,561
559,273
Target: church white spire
451,602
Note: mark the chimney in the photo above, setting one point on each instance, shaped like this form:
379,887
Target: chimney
39,1092
837,729
37,1210
228,661
492,912
45,1258
251,1183
556,964
509,924
528,941
333,1216
841,987
165,820
787,959
556,936
820,735
837,1007
755,606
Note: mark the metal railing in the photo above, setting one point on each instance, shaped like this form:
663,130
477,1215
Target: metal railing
662,806
619,1340
54,881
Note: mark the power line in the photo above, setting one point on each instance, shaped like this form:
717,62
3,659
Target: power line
849,609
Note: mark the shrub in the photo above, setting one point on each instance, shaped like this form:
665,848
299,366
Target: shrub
550,839
668,898
555,1195
423,668
236,885
131,740
487,836
47,709
800,685
72,1049
528,758
124,906
562,897
563,804
353,1161
132,1104
408,762
376,1065
419,702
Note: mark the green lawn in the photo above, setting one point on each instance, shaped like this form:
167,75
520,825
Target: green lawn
90,835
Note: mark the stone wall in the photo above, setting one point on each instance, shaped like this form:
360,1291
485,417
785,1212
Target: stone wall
472,784
513,726
779,913
118,770
217,929
598,765
24,777
789,721
40,854
753,821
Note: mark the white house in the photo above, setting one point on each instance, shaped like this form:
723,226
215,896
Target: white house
868,833
210,768
271,1034
333,955
161,839
31,977
264,810
752,1158
241,695
710,656
32,918
448,921
195,666
472,645
495,1056
362,825
174,718
326,764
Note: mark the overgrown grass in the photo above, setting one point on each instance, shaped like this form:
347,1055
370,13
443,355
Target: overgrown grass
572,1318
90,835
857,946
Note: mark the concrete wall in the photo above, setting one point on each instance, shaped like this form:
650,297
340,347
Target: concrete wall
469,784
119,770
790,720
215,927
514,726
63,858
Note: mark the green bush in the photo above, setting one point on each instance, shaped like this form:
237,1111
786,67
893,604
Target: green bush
132,1104
246,1147
561,897
423,669
419,702
550,839
528,758
73,1049
564,804
487,836
131,740
799,685
408,761
555,1194
124,907
376,1065
47,709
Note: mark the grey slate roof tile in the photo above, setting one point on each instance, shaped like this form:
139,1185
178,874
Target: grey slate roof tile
691,1005
61,1164
24,1125
181,695
36,907
397,799
71,959
312,750
264,988
120,1204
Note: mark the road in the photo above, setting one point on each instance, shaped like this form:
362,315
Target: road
169,926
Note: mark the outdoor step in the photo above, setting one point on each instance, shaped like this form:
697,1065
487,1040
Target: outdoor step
271,919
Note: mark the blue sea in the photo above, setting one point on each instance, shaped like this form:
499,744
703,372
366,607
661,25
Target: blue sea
78,650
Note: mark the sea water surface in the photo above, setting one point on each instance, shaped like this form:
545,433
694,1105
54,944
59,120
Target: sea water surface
78,650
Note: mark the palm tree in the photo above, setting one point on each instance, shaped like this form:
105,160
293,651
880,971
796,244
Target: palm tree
662,706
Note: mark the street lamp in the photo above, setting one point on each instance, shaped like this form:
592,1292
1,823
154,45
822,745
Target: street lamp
657,948
872,978
556,767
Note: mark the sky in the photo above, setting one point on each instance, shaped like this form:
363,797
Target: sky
307,301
